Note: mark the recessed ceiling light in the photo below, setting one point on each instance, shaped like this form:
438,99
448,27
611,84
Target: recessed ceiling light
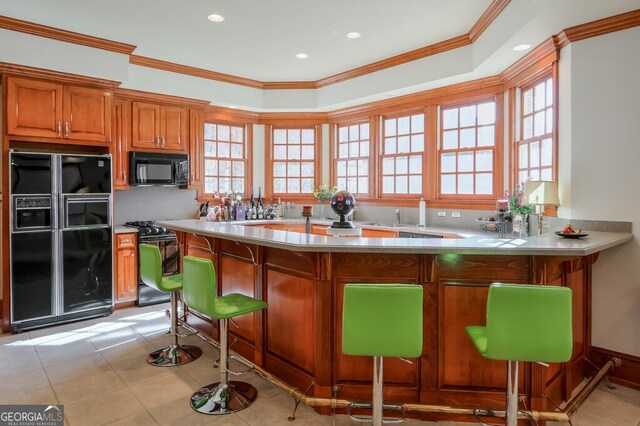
302,56
215,18
354,35
521,47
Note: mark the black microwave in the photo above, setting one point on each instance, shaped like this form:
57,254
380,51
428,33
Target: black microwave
150,168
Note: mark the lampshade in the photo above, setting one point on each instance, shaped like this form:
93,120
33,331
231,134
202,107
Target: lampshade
541,193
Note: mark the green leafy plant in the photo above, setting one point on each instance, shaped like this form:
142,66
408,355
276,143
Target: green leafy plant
515,201
324,192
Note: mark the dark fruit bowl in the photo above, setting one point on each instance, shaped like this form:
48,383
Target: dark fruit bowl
572,235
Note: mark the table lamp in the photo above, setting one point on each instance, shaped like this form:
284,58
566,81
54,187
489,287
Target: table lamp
540,194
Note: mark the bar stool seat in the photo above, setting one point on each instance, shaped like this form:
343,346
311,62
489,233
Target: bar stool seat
530,323
151,275
381,320
199,291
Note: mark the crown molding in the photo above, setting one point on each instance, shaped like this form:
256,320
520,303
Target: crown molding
63,77
597,28
217,113
541,56
63,35
289,85
196,72
292,118
157,97
493,11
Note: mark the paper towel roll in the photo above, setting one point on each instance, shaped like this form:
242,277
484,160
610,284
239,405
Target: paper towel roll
422,212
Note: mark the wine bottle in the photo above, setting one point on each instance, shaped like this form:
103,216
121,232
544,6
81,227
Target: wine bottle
253,202
260,196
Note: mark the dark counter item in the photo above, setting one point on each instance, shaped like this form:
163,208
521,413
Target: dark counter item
572,235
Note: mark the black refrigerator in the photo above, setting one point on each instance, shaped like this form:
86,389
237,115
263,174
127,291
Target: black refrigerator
61,239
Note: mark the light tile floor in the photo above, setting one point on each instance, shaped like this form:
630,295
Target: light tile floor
97,369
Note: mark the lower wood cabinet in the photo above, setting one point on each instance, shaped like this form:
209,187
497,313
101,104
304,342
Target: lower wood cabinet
126,267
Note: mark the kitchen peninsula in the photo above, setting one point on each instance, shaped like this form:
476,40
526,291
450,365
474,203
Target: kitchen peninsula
298,338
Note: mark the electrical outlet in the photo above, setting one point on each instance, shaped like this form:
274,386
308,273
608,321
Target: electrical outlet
455,214
442,214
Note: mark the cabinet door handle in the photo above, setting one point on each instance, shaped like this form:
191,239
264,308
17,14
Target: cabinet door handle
124,177
162,141
59,129
157,138
66,129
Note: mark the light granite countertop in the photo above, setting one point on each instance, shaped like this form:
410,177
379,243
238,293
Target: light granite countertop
122,229
470,241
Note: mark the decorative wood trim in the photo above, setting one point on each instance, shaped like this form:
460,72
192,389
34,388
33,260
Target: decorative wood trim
293,118
597,28
64,35
403,58
218,113
628,374
495,8
62,77
533,63
157,97
196,72
289,85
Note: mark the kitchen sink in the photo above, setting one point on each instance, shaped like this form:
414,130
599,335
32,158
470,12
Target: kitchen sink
386,224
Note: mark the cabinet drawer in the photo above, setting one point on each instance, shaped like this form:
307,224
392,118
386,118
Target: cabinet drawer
125,240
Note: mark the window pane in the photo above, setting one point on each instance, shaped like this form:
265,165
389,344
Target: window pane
363,167
343,134
415,184
403,144
364,131
352,184
224,184
388,166
307,185
342,183
403,125
354,133
225,168
523,176
209,149
280,185
448,163
352,168
484,183
417,143
484,161
280,152
210,167
538,124
390,127
342,168
486,136
224,150
307,152
210,131
465,184
387,184
210,184
279,169
450,139
487,113
343,150
468,138
534,174
293,169
363,185
223,134
465,161
549,95
390,146
415,164
354,149
527,127
308,136
549,121
534,154
545,174
402,165
279,136
402,184
293,185
236,150
538,97
306,169
293,151
238,168
468,116
523,156
448,184
236,134
527,102
450,118
238,185
364,149
546,152
293,136
417,123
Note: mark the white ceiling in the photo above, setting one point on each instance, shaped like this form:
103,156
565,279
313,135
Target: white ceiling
259,38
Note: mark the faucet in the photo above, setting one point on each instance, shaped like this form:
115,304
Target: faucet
353,213
397,217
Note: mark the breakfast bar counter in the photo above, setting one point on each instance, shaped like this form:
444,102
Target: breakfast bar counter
302,276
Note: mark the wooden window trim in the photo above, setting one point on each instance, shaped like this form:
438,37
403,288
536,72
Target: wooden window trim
268,165
460,200
248,151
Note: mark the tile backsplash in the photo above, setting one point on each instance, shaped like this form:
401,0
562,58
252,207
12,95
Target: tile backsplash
153,203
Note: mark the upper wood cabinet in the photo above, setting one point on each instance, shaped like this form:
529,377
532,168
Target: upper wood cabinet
196,149
121,140
157,126
46,109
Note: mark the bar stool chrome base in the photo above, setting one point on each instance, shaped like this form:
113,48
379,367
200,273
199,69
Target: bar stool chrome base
174,355
217,399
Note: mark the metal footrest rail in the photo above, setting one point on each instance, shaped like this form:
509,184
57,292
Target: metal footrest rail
563,415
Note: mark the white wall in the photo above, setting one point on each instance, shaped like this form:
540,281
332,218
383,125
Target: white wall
600,140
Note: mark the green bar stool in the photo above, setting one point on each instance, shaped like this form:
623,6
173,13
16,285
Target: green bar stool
381,320
225,396
151,275
529,323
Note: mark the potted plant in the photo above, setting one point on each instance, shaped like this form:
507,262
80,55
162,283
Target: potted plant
519,211
322,194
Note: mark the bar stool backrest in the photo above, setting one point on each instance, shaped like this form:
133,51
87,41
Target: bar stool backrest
151,266
382,320
199,290
529,323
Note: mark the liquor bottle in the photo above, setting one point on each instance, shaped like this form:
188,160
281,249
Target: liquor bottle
260,196
260,212
253,202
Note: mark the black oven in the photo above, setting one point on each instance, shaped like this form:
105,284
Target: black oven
150,168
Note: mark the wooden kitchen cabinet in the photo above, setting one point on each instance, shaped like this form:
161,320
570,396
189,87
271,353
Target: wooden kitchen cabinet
121,141
46,109
196,150
126,267
159,127
378,233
